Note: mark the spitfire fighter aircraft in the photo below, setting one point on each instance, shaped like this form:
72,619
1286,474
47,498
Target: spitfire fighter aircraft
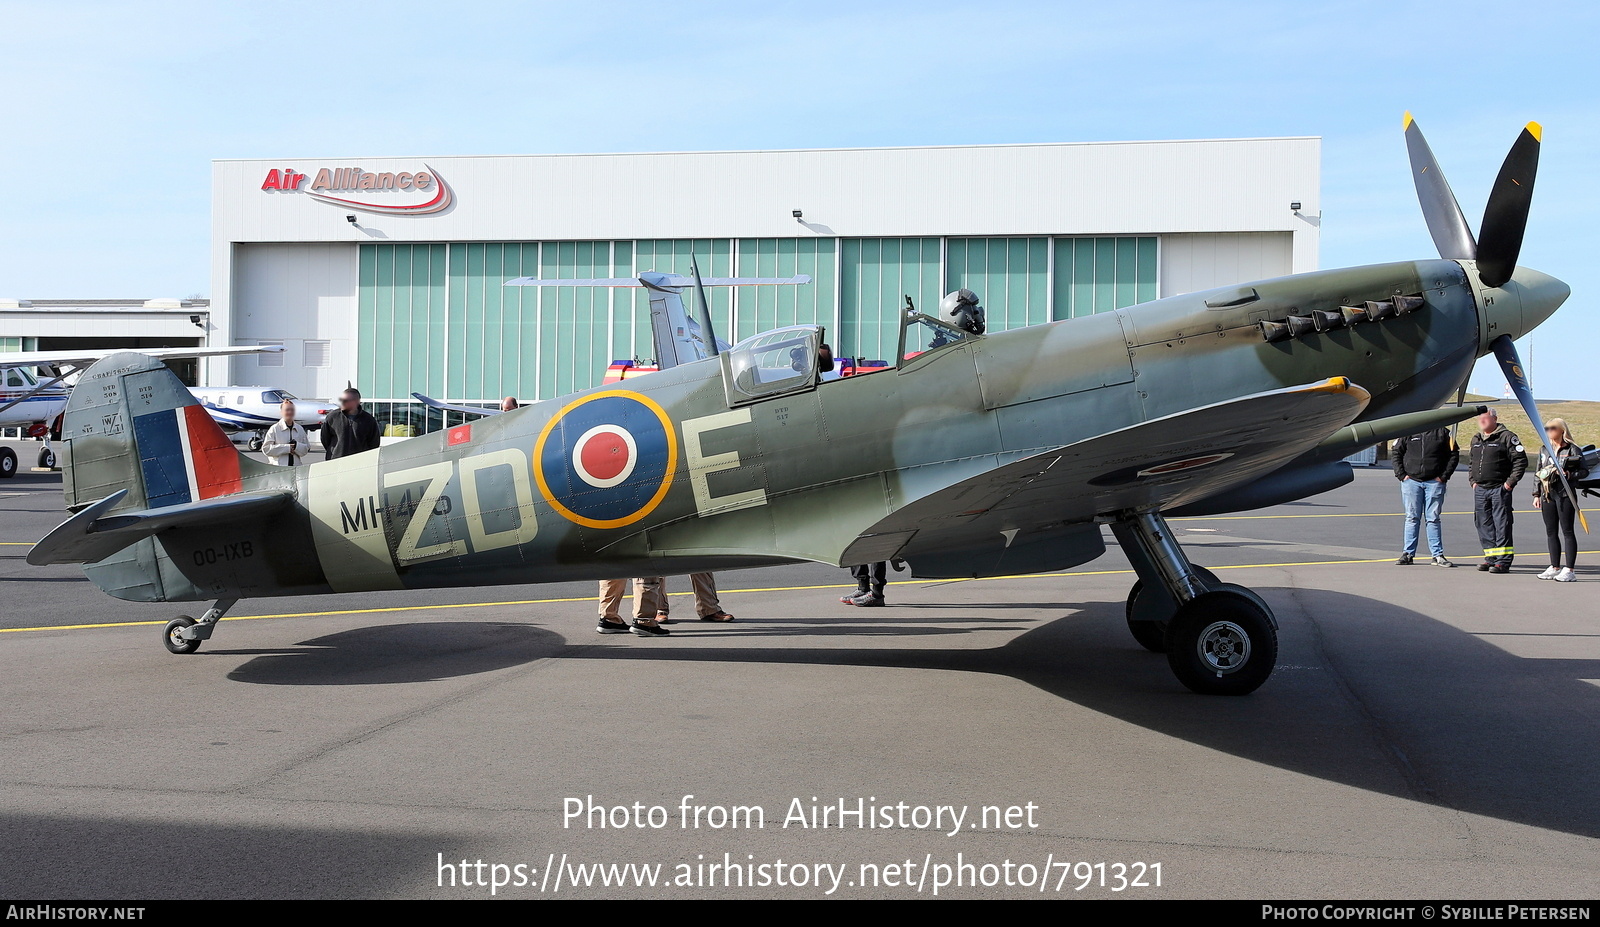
974,455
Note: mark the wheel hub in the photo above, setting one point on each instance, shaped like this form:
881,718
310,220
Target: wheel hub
1224,647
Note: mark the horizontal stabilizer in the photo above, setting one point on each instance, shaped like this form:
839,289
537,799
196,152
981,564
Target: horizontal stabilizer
92,535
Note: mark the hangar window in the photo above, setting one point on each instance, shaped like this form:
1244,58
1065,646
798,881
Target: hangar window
773,363
271,358
319,354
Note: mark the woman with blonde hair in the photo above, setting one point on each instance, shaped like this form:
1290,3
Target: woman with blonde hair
1550,498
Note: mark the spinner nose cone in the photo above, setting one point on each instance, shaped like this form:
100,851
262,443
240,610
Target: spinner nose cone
1541,295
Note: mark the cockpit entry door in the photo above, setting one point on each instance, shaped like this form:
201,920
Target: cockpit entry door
775,363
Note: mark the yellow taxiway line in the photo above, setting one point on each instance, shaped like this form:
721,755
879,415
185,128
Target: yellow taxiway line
558,601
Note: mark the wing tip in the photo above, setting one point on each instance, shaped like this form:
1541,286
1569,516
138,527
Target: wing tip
1340,385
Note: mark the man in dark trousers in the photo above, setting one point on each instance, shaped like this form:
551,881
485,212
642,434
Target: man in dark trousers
351,429
1497,462
870,580
1423,464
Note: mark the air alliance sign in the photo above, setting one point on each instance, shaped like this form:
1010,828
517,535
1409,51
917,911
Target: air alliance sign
393,193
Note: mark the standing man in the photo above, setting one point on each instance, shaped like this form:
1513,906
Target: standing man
351,429
1423,464
648,603
286,441
1496,464
870,580
706,603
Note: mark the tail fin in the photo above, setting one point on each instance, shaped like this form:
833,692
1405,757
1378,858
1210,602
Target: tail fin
131,424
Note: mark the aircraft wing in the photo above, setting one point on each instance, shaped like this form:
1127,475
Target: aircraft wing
85,358
1162,463
447,407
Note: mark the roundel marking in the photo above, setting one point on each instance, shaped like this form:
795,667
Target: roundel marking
1178,466
604,456
606,460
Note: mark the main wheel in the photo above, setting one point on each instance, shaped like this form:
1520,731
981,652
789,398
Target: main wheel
1222,643
47,458
256,440
176,643
8,463
1151,635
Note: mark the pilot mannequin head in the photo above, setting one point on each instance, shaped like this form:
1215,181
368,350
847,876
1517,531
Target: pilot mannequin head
963,309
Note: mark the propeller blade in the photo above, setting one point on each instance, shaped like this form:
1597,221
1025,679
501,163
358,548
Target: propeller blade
1451,234
1506,353
1506,216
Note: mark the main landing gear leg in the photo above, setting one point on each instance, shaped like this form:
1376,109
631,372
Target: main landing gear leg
1219,638
184,634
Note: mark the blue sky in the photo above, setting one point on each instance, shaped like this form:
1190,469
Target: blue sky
112,112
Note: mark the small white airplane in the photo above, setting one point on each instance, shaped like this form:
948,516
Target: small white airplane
254,408
35,405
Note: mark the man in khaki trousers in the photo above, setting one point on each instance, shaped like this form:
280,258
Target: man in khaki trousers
649,601
706,604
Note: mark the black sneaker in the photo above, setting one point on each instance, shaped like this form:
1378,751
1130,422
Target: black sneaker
611,627
1484,566
1440,561
1500,568
649,630
851,598
866,600
1405,560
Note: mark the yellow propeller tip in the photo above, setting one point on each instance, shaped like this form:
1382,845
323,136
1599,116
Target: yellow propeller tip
1537,131
1406,124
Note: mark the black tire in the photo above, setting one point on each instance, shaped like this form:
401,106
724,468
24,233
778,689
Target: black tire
1151,635
170,637
8,463
47,458
1222,643
256,441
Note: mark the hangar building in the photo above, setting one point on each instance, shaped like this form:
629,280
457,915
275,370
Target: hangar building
388,271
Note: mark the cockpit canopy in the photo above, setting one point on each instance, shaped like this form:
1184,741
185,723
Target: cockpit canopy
773,363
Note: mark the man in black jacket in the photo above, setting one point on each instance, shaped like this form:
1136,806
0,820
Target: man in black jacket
350,430
1497,463
1423,464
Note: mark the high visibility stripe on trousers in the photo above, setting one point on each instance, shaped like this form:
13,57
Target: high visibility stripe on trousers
1498,552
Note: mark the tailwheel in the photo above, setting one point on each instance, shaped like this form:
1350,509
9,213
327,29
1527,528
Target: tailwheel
1222,643
173,635
1151,635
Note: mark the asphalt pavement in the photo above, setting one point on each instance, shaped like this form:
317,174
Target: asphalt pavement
1428,733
